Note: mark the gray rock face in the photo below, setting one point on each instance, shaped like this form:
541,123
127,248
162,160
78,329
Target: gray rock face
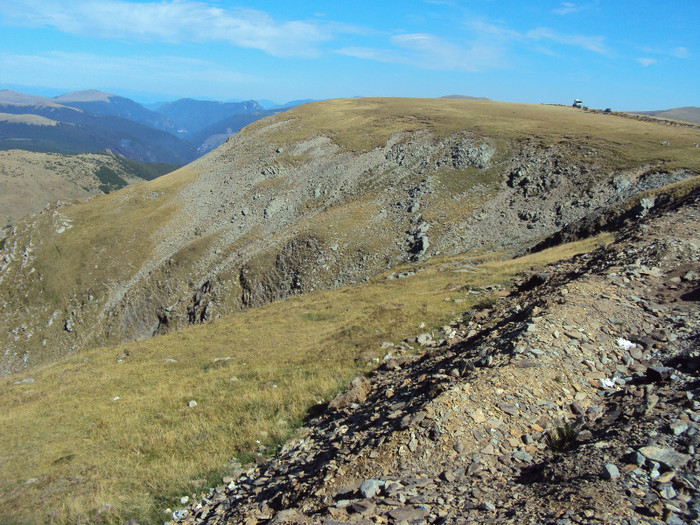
469,154
666,456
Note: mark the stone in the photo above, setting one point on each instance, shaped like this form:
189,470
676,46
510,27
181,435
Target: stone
487,505
610,471
635,458
508,408
409,514
192,403
672,519
285,516
359,389
522,456
678,427
666,456
657,374
371,488
424,339
362,507
666,477
668,492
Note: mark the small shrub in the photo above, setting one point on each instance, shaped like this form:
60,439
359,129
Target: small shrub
563,437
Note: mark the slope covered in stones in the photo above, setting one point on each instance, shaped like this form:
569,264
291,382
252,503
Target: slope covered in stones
324,195
573,400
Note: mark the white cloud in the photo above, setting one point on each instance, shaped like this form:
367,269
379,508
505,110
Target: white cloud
590,43
172,21
646,62
567,8
431,52
680,52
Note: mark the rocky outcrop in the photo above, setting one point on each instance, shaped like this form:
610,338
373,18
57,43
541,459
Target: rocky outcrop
572,400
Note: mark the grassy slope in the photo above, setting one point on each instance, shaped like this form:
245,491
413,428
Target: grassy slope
29,180
109,238
73,448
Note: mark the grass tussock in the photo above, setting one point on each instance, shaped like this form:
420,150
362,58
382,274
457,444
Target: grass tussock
108,434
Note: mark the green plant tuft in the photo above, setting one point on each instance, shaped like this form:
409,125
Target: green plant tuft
563,437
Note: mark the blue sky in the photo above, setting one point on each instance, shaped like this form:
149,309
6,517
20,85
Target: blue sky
620,54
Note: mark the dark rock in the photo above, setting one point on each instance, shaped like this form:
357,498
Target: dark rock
657,374
610,471
534,281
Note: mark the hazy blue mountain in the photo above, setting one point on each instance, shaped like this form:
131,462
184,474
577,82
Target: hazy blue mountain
76,131
101,103
195,115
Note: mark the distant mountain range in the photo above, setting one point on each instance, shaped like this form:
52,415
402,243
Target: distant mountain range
90,121
194,115
100,103
78,130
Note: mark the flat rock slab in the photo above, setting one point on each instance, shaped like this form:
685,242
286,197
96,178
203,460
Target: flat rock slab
666,456
409,513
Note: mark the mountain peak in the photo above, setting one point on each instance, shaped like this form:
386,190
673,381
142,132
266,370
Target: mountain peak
88,95
10,96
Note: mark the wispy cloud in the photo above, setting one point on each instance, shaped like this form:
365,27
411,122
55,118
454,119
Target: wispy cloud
487,48
680,52
646,62
567,8
161,74
172,21
596,44
428,51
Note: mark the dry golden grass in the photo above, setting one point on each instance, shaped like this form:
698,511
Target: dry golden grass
365,123
69,448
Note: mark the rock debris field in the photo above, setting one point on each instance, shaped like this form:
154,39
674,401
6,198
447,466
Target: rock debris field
574,399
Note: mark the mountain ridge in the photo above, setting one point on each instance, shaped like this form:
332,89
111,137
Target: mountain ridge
339,238
80,131
241,226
